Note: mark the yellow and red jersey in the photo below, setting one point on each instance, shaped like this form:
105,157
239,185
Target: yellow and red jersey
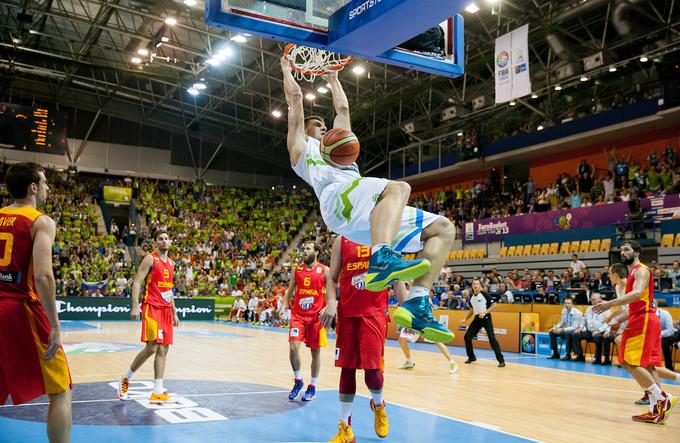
355,299
16,253
159,282
311,285
643,305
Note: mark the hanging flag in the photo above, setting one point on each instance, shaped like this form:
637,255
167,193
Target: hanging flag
512,65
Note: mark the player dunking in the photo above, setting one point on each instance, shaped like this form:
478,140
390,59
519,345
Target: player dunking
32,361
371,211
159,315
640,348
306,295
361,330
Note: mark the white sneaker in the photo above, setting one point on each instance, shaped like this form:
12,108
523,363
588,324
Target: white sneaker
408,365
123,388
453,367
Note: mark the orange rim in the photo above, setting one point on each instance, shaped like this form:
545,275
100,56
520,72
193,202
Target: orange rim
336,67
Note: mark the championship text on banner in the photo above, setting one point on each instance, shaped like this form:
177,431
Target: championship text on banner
115,308
512,65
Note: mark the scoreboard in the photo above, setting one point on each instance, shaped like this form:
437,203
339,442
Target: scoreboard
32,128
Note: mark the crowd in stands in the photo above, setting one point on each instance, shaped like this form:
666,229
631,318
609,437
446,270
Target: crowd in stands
626,179
224,238
85,261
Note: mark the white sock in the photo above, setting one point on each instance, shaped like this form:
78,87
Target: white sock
129,374
408,360
314,380
345,411
655,394
158,386
377,397
378,247
677,378
417,291
297,375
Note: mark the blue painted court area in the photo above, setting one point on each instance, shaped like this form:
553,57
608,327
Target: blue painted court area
74,325
231,412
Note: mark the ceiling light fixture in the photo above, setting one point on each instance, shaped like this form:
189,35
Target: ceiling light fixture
472,8
558,88
358,69
238,38
136,60
165,39
200,86
213,61
322,89
540,128
143,52
534,95
276,113
310,96
644,59
512,103
171,21
612,69
193,91
190,2
584,78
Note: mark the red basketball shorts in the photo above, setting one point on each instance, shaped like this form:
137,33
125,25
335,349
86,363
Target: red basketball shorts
307,329
157,324
360,342
24,337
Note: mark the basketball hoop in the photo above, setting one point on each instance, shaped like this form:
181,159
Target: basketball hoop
307,63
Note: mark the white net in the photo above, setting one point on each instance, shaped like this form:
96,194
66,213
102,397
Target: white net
308,63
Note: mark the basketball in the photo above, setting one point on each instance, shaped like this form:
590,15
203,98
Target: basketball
340,147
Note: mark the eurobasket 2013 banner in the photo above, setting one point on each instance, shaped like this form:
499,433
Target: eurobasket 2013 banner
512,65
117,194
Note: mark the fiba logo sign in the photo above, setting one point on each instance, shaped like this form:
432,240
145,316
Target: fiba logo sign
502,59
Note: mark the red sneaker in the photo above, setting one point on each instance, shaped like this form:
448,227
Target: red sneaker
647,417
664,408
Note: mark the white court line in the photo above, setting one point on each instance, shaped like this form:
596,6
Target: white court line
102,400
477,424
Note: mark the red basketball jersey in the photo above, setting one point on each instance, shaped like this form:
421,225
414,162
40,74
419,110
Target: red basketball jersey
311,285
159,282
355,299
16,253
643,305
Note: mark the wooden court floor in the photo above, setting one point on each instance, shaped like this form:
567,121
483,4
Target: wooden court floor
523,399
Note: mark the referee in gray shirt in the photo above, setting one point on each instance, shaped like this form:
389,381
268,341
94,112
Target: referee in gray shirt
481,308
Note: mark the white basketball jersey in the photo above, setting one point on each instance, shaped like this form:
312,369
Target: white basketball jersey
312,168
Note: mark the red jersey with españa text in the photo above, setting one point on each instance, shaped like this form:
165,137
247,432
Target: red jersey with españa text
311,286
16,253
643,305
159,282
355,299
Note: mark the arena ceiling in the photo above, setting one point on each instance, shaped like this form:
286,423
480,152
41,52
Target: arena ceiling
79,54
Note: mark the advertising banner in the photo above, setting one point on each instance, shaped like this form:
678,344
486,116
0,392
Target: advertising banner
117,308
505,324
494,229
117,194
